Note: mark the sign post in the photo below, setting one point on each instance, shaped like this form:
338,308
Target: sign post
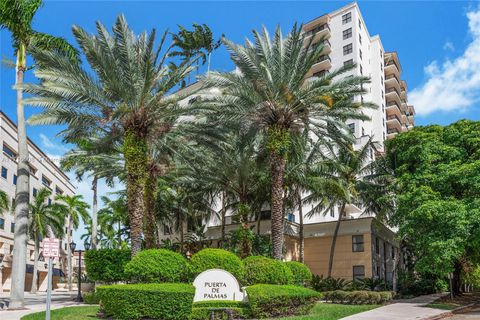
51,250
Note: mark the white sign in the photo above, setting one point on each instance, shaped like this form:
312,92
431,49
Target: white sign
51,247
217,284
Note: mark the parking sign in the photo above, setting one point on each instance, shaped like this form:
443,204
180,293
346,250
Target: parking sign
51,247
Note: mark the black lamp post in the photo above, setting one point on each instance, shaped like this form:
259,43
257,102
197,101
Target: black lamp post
79,297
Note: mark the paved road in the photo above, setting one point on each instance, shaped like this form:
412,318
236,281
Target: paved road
412,309
35,303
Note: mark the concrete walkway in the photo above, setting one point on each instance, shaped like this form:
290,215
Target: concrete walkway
36,303
410,309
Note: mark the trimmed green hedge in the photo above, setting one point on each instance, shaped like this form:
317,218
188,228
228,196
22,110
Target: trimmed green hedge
216,259
301,273
358,297
157,265
106,265
91,298
201,310
259,269
268,301
166,301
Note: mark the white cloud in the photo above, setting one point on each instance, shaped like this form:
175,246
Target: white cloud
453,85
47,143
449,46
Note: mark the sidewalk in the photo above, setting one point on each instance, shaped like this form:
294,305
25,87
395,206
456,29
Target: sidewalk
36,303
411,309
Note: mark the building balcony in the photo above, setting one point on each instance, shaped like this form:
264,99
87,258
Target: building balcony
324,63
392,132
392,95
392,68
327,47
394,122
411,110
393,109
321,31
391,79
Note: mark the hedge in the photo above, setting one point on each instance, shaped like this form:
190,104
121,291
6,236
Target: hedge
157,265
259,269
166,301
268,301
91,298
106,265
201,310
301,273
358,297
216,259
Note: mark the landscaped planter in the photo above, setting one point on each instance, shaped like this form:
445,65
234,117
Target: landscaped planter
87,287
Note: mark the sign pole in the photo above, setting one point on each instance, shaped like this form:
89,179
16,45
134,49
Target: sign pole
49,288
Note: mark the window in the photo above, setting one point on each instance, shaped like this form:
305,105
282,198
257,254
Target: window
377,271
12,227
381,66
332,212
381,54
361,70
358,272
49,201
359,23
45,181
357,243
363,131
383,107
33,171
346,18
58,190
351,126
393,252
4,172
9,152
65,247
15,179
347,49
2,223
291,217
11,249
348,63
360,50
347,33
360,38
381,79
383,94
377,246
34,192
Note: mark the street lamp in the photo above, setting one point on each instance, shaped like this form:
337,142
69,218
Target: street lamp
79,297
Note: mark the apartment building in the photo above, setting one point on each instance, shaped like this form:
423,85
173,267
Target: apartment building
44,173
346,41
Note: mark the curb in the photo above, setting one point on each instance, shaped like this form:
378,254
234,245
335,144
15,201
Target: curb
450,313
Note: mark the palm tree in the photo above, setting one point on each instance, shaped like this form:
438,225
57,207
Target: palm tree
76,210
46,219
270,94
122,102
4,203
113,219
17,16
348,176
85,159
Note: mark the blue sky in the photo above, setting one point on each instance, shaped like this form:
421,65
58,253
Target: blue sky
438,44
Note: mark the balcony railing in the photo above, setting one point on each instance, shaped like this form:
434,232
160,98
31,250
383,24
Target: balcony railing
392,76
393,117
324,58
393,130
389,90
316,30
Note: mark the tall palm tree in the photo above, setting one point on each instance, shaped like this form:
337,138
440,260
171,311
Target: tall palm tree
46,220
348,176
85,159
113,219
123,101
17,16
271,93
76,210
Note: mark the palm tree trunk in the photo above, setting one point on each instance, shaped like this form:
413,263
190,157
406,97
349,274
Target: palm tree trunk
300,227
135,152
22,193
334,240
69,253
277,166
119,235
223,215
35,264
150,223
94,212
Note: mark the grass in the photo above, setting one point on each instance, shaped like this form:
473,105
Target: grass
322,311
69,313
442,305
328,311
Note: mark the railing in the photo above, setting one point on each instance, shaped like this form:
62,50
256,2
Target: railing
392,90
316,30
390,76
393,130
324,58
393,104
393,117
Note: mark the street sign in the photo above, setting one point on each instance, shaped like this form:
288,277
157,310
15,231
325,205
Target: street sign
51,248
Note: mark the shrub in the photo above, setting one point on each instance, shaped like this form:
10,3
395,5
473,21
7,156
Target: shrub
201,310
321,284
167,301
91,298
301,273
358,297
106,265
265,270
216,259
157,265
267,300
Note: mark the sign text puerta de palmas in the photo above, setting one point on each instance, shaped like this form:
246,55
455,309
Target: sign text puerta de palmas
217,284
